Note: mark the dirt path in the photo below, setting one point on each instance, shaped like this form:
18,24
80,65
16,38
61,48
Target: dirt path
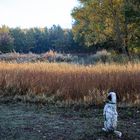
33,122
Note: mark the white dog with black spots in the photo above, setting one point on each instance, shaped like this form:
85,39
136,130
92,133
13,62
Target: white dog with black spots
110,114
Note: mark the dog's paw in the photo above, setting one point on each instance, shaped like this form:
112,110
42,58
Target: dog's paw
118,133
105,130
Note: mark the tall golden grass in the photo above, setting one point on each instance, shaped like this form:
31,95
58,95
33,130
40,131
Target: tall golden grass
69,83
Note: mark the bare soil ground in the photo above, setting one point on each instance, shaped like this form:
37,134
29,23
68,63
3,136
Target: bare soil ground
20,121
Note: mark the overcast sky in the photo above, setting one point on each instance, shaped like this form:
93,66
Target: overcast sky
36,13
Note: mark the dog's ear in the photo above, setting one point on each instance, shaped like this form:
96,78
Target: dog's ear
109,98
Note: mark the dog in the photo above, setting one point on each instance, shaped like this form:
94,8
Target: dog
110,114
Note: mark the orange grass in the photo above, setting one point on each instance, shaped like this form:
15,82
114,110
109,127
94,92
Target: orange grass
68,82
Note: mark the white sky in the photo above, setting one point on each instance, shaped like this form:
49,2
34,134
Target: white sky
36,13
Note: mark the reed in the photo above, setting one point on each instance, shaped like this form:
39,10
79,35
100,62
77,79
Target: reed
69,83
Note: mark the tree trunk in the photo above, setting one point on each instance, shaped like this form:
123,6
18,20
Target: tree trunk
122,41
117,30
126,31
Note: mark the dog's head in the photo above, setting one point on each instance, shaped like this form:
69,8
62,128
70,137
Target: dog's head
112,97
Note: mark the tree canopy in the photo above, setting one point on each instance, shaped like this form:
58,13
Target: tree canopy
6,41
99,21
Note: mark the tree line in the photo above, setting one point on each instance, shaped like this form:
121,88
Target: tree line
99,24
38,40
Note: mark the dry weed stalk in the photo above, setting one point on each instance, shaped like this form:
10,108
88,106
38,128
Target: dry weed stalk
67,82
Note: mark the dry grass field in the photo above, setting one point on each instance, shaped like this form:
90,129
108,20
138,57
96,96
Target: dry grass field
69,83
